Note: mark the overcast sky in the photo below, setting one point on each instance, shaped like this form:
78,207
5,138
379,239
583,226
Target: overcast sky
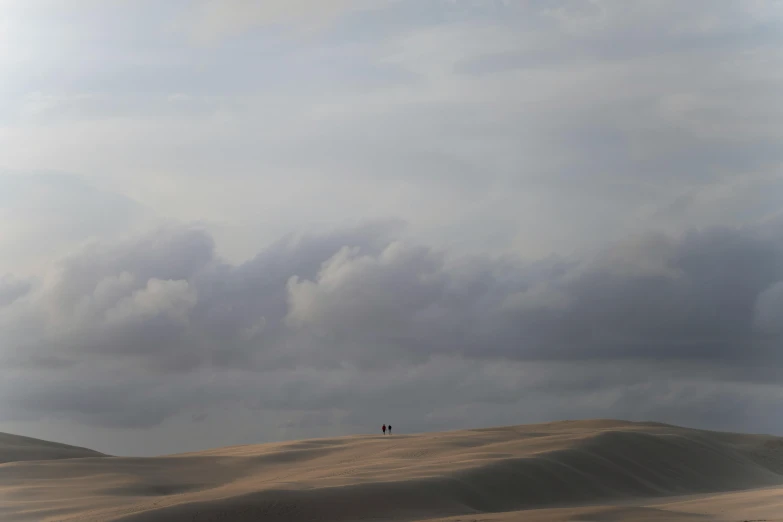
236,221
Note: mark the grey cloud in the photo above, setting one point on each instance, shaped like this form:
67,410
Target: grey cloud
114,405
166,296
769,310
551,125
109,405
576,32
698,303
553,144
355,318
12,289
47,213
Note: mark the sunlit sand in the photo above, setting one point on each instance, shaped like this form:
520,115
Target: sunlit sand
564,471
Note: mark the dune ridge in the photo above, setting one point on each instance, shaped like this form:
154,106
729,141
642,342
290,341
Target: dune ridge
15,448
401,477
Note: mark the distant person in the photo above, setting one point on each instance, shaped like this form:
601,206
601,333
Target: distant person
389,429
384,429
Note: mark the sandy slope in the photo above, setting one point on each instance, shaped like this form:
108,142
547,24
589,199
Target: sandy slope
14,448
586,470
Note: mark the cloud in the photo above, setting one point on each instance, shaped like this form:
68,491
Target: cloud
337,321
44,214
509,129
212,20
12,289
769,310
486,120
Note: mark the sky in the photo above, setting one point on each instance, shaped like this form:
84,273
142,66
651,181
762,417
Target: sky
228,222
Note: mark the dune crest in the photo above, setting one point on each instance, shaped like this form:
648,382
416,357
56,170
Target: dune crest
16,448
496,471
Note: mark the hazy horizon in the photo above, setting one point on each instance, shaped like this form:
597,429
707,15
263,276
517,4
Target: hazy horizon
227,222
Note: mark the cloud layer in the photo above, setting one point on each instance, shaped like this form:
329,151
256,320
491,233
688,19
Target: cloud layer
156,326
596,118
592,191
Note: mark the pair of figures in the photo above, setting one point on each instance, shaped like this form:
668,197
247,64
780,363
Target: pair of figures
384,428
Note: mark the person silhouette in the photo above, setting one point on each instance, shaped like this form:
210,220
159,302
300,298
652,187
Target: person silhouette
389,429
384,429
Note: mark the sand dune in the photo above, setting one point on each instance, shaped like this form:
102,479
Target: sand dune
585,470
14,448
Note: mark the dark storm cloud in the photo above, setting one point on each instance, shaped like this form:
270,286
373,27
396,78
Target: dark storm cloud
694,297
165,298
152,326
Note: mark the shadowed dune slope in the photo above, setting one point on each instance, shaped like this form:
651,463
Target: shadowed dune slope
400,477
14,448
